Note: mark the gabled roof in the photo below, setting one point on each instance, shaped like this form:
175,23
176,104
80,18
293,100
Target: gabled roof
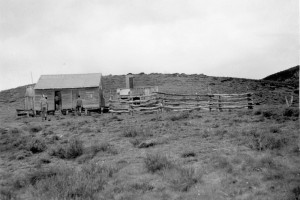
61,81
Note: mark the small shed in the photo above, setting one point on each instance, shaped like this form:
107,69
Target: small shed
138,91
67,87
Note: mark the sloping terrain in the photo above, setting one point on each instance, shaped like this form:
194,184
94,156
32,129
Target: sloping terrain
241,154
288,75
265,91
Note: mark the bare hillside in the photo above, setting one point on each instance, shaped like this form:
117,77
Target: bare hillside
288,75
265,91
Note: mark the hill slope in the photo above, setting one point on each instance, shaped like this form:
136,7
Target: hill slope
265,91
289,75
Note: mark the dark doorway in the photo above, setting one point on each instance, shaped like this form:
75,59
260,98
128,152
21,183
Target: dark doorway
57,100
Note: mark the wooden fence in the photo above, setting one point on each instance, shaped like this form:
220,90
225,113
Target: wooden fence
160,101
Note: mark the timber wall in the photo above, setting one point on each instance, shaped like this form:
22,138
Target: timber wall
89,96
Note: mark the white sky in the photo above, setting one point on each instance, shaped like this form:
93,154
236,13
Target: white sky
237,38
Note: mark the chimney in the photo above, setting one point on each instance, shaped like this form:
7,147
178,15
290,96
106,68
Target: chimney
129,81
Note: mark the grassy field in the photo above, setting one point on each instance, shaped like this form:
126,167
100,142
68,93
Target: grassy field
246,154
242,154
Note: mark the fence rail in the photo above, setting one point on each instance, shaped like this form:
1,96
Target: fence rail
161,101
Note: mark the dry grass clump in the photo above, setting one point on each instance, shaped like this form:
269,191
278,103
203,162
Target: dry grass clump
181,179
178,178
36,145
180,116
35,128
270,141
296,192
157,162
73,149
223,163
65,182
260,140
281,114
132,131
18,141
90,152
187,154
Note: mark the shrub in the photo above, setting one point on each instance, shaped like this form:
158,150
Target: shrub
221,162
271,142
35,128
73,149
90,152
157,162
181,179
141,187
67,183
20,155
58,151
15,130
263,141
275,129
273,175
188,154
268,113
131,132
103,147
7,194
291,112
135,141
36,145
267,162
180,116
257,112
296,192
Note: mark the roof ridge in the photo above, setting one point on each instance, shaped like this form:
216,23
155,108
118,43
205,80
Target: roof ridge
68,74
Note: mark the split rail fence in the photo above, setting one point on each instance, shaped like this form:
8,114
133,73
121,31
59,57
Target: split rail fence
160,101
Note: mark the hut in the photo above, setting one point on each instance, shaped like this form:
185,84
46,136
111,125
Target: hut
67,87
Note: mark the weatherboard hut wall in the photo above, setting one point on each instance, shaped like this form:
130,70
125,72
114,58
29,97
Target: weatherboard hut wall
38,96
90,97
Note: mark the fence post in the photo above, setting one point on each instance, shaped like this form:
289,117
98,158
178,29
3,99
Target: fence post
250,102
209,102
219,105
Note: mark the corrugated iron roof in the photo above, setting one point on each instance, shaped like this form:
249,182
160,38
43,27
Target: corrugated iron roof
61,81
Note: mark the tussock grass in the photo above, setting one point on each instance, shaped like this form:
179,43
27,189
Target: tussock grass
36,145
223,163
35,128
179,116
291,112
65,182
73,149
262,140
22,142
187,154
90,152
132,132
181,179
6,193
157,162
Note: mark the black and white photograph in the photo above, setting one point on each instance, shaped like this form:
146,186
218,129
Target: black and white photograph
149,100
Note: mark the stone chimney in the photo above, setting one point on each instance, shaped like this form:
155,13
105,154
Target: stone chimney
129,81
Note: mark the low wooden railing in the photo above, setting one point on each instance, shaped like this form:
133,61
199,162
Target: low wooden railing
161,101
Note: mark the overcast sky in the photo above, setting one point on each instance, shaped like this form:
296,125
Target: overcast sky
236,38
